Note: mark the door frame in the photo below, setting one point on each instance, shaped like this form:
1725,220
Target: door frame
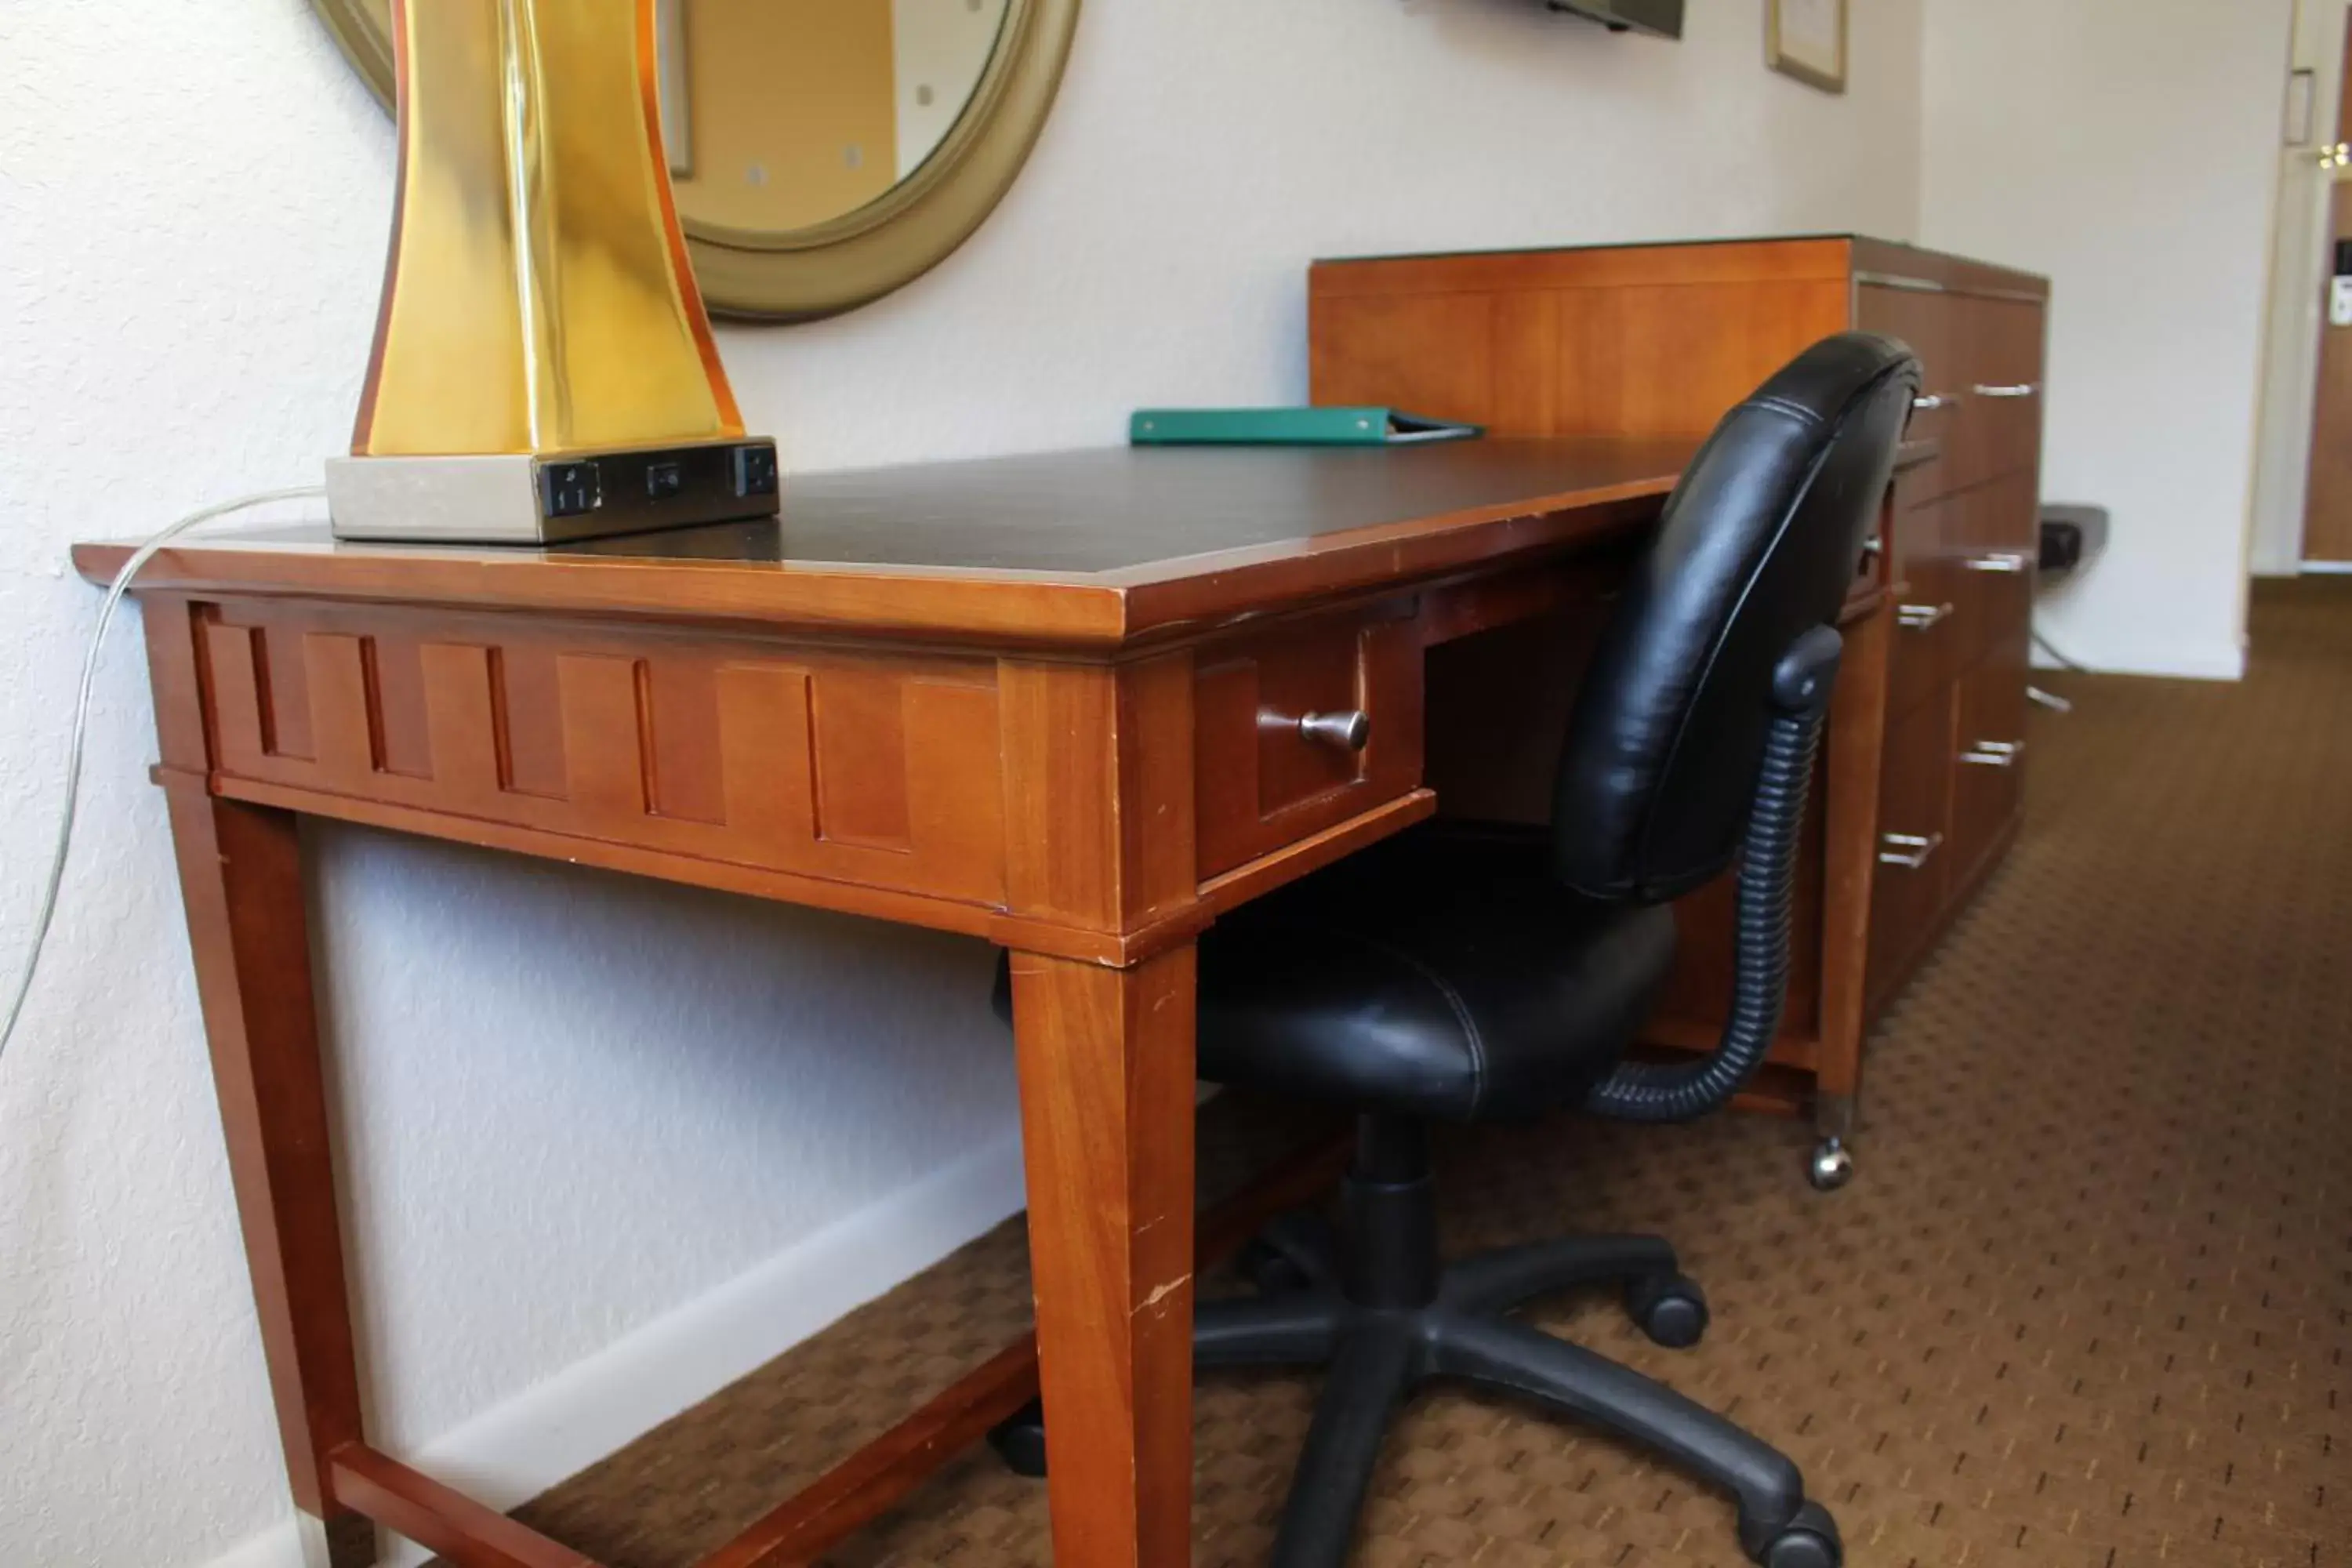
2295,312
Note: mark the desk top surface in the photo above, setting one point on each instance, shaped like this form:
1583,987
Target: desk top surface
1083,547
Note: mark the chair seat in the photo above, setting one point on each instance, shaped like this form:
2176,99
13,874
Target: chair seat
1445,973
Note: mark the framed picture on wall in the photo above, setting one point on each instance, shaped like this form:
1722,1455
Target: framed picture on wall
1806,40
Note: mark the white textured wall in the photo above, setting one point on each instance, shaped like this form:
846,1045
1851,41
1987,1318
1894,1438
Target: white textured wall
2128,149
589,1100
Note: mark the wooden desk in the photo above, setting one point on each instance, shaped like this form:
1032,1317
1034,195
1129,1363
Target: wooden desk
1043,700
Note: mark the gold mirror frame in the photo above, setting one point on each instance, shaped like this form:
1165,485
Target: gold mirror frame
891,241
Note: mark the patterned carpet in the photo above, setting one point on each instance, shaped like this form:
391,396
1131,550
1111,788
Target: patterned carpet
2087,1306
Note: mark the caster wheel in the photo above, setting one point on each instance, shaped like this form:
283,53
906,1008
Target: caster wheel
1832,1165
1020,1441
1670,1307
1810,1541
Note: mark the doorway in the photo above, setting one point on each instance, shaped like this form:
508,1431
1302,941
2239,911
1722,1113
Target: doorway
2327,497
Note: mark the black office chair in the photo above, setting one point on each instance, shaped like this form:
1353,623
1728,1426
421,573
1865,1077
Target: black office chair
1465,974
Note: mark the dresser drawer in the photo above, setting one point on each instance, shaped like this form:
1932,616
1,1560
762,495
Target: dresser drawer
1914,808
1926,638
1300,728
1993,553
1980,376
1922,318
1921,660
1987,755
2000,362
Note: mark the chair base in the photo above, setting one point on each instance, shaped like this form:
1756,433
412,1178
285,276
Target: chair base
1384,1317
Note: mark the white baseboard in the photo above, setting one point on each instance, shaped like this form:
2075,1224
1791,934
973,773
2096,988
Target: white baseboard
512,1452
2169,659
279,1546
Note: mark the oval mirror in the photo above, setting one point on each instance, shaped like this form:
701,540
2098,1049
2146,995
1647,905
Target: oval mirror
824,151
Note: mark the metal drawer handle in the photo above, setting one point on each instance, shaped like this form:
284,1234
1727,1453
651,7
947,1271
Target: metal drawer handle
2005,561
1919,617
1928,403
1994,753
2017,389
1349,731
1922,850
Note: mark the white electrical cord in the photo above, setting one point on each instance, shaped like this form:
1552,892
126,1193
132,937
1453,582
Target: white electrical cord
114,592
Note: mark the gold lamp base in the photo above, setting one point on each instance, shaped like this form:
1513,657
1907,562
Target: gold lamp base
543,368
524,497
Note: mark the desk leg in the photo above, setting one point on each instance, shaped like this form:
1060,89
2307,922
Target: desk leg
1856,744
241,875
1105,1058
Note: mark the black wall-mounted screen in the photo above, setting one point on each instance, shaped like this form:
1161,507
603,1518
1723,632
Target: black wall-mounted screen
1664,17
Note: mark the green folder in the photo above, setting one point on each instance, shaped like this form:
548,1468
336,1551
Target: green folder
1289,427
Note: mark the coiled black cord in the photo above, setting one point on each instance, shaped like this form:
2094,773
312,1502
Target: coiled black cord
1677,1092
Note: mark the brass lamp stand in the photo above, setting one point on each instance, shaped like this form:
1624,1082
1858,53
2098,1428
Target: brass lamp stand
543,368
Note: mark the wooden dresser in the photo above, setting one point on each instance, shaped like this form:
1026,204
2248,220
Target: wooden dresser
1919,795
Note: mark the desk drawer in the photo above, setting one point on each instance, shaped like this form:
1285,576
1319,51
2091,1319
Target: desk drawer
868,769
1300,728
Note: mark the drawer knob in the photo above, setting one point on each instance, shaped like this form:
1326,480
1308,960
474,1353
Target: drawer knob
1909,850
2006,561
1919,617
1349,729
2014,389
1928,403
1994,753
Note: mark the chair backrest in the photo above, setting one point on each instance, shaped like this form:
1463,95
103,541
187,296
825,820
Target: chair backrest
1759,543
